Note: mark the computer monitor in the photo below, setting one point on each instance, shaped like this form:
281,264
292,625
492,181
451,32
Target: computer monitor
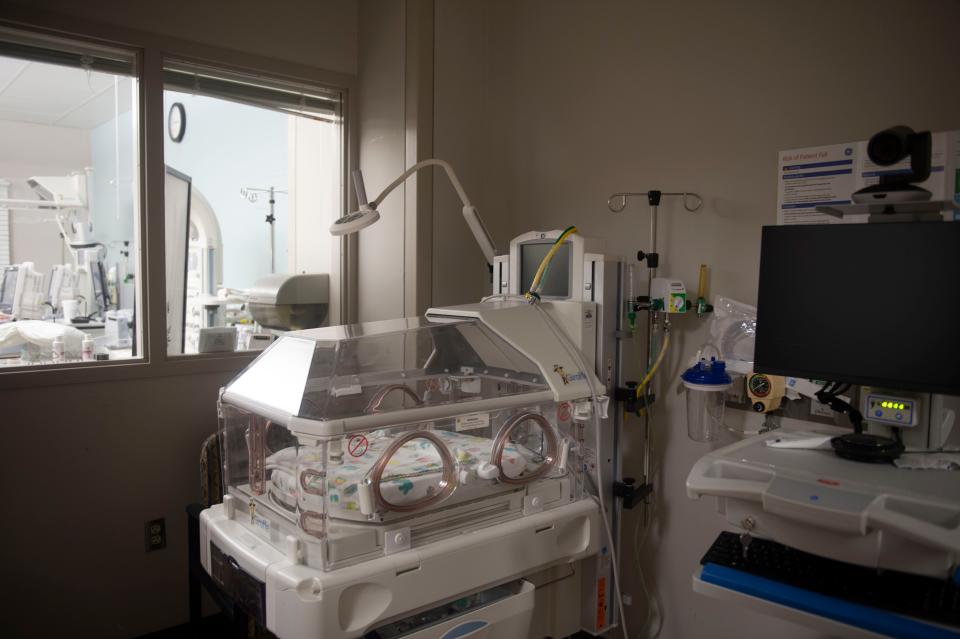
8,288
99,278
871,304
556,282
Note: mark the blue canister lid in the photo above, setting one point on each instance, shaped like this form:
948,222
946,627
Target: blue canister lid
704,373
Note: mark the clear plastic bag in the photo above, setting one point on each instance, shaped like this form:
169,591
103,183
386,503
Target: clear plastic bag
733,328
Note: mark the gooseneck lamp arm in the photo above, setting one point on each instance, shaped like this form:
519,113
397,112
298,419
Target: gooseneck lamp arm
470,213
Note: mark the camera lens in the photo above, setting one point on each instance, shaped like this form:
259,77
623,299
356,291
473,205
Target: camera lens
890,146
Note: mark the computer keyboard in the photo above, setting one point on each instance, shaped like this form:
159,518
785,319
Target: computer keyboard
927,598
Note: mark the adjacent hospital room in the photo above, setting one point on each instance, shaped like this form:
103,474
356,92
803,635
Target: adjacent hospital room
490,319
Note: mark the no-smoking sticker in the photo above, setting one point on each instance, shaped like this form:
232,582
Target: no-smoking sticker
563,412
358,445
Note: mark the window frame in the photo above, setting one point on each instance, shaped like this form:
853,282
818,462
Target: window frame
152,52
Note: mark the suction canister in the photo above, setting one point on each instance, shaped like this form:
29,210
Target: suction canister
704,384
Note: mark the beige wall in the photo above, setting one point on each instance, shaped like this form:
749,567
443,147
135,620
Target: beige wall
546,107
87,464
395,132
382,157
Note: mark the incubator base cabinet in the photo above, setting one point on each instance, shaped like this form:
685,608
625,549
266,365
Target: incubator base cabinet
411,478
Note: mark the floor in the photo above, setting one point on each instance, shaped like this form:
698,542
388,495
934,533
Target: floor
212,627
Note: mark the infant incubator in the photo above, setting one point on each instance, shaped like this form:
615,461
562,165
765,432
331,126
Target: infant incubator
375,470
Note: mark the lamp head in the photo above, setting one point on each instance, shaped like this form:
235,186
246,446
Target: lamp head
355,221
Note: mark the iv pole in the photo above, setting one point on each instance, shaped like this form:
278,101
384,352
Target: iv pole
617,202
250,194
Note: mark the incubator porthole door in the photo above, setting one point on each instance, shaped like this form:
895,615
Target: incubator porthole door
526,448
416,471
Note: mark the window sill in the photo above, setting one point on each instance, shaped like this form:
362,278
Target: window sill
101,372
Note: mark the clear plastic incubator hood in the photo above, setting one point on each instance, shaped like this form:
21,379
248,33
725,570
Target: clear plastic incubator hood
350,443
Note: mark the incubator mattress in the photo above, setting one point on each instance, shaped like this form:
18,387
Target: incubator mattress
412,474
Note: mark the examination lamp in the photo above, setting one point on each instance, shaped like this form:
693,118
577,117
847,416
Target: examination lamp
367,214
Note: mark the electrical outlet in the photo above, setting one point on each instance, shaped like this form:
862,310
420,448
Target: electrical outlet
155,534
820,410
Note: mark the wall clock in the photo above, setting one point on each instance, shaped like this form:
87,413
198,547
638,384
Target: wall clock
177,121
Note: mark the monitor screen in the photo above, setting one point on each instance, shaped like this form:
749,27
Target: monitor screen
8,286
556,281
99,284
872,304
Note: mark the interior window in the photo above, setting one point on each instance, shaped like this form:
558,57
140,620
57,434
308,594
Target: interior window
254,179
69,203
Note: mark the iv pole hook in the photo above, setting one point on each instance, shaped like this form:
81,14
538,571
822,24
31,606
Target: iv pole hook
618,201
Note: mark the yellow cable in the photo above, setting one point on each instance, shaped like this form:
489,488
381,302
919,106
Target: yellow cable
546,260
656,365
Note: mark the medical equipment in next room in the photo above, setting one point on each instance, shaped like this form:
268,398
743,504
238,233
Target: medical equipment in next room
251,195
22,295
290,302
8,287
119,328
85,279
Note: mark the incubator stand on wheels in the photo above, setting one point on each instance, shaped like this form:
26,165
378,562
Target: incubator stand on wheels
408,477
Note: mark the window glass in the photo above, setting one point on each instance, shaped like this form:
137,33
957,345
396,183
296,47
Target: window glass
254,179
69,203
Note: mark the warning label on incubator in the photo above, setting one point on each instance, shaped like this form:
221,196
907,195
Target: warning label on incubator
357,445
473,421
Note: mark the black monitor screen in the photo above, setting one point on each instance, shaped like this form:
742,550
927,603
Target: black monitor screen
874,304
556,281
99,284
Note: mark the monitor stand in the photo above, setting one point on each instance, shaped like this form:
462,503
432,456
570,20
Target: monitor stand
886,193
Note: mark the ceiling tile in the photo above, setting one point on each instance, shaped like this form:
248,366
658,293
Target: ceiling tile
100,109
9,68
23,116
46,93
51,89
